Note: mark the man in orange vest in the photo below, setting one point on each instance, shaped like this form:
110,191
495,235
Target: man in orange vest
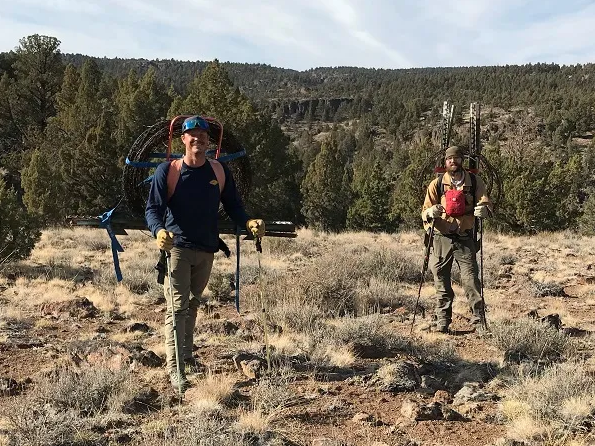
453,202
184,221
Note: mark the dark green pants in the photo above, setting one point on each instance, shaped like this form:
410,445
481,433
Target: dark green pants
462,250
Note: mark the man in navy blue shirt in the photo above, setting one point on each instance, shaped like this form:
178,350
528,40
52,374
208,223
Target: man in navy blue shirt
182,213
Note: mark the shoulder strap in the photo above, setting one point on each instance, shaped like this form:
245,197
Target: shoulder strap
439,186
173,176
175,170
473,188
219,173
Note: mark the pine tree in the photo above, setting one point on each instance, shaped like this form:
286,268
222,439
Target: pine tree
19,230
275,191
140,103
410,169
326,188
41,182
370,210
38,76
10,136
85,169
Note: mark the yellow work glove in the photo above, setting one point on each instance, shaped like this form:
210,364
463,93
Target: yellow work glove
165,240
255,227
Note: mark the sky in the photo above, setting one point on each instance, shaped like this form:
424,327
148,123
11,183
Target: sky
303,34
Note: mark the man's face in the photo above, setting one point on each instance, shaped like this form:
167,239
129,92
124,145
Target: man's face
454,164
196,141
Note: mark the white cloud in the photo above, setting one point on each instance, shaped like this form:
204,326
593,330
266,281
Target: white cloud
375,33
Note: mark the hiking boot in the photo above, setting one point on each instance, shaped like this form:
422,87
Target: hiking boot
182,385
478,323
193,365
440,329
480,328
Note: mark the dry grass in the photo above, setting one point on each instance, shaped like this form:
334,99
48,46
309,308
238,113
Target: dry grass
199,430
555,405
326,292
529,339
65,405
253,421
340,356
211,393
366,334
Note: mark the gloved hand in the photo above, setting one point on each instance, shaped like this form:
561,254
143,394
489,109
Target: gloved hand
255,227
433,212
481,211
165,240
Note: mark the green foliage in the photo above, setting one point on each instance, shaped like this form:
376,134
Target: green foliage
38,76
27,98
326,188
139,103
370,210
18,229
67,122
275,167
40,180
586,222
86,155
410,168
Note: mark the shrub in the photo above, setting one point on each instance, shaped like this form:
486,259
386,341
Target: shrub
547,289
558,403
220,285
201,430
272,395
64,406
368,335
528,339
19,230
89,392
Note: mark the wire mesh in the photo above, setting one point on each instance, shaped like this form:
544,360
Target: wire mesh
155,140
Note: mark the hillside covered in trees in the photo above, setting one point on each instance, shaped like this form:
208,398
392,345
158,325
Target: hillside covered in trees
336,148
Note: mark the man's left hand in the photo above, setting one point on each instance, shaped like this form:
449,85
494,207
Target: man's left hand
256,227
481,211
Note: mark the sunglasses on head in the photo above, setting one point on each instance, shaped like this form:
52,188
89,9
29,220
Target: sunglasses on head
195,123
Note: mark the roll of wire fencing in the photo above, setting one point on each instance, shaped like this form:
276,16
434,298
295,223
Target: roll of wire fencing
153,144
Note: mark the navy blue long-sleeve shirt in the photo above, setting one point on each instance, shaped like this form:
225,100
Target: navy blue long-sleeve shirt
192,212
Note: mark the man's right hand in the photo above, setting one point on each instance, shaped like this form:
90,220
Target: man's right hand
165,240
433,212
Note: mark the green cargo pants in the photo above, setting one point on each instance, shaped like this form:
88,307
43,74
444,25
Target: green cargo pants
462,249
190,271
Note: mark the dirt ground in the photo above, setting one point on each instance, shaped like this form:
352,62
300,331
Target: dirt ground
62,310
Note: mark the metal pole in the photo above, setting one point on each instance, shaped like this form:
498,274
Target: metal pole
484,321
423,273
238,269
173,322
258,245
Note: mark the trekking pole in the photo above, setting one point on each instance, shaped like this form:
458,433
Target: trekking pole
173,322
484,321
237,299
423,273
258,245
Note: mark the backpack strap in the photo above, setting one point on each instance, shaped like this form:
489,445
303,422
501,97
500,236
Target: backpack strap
473,188
219,173
439,187
173,176
175,170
